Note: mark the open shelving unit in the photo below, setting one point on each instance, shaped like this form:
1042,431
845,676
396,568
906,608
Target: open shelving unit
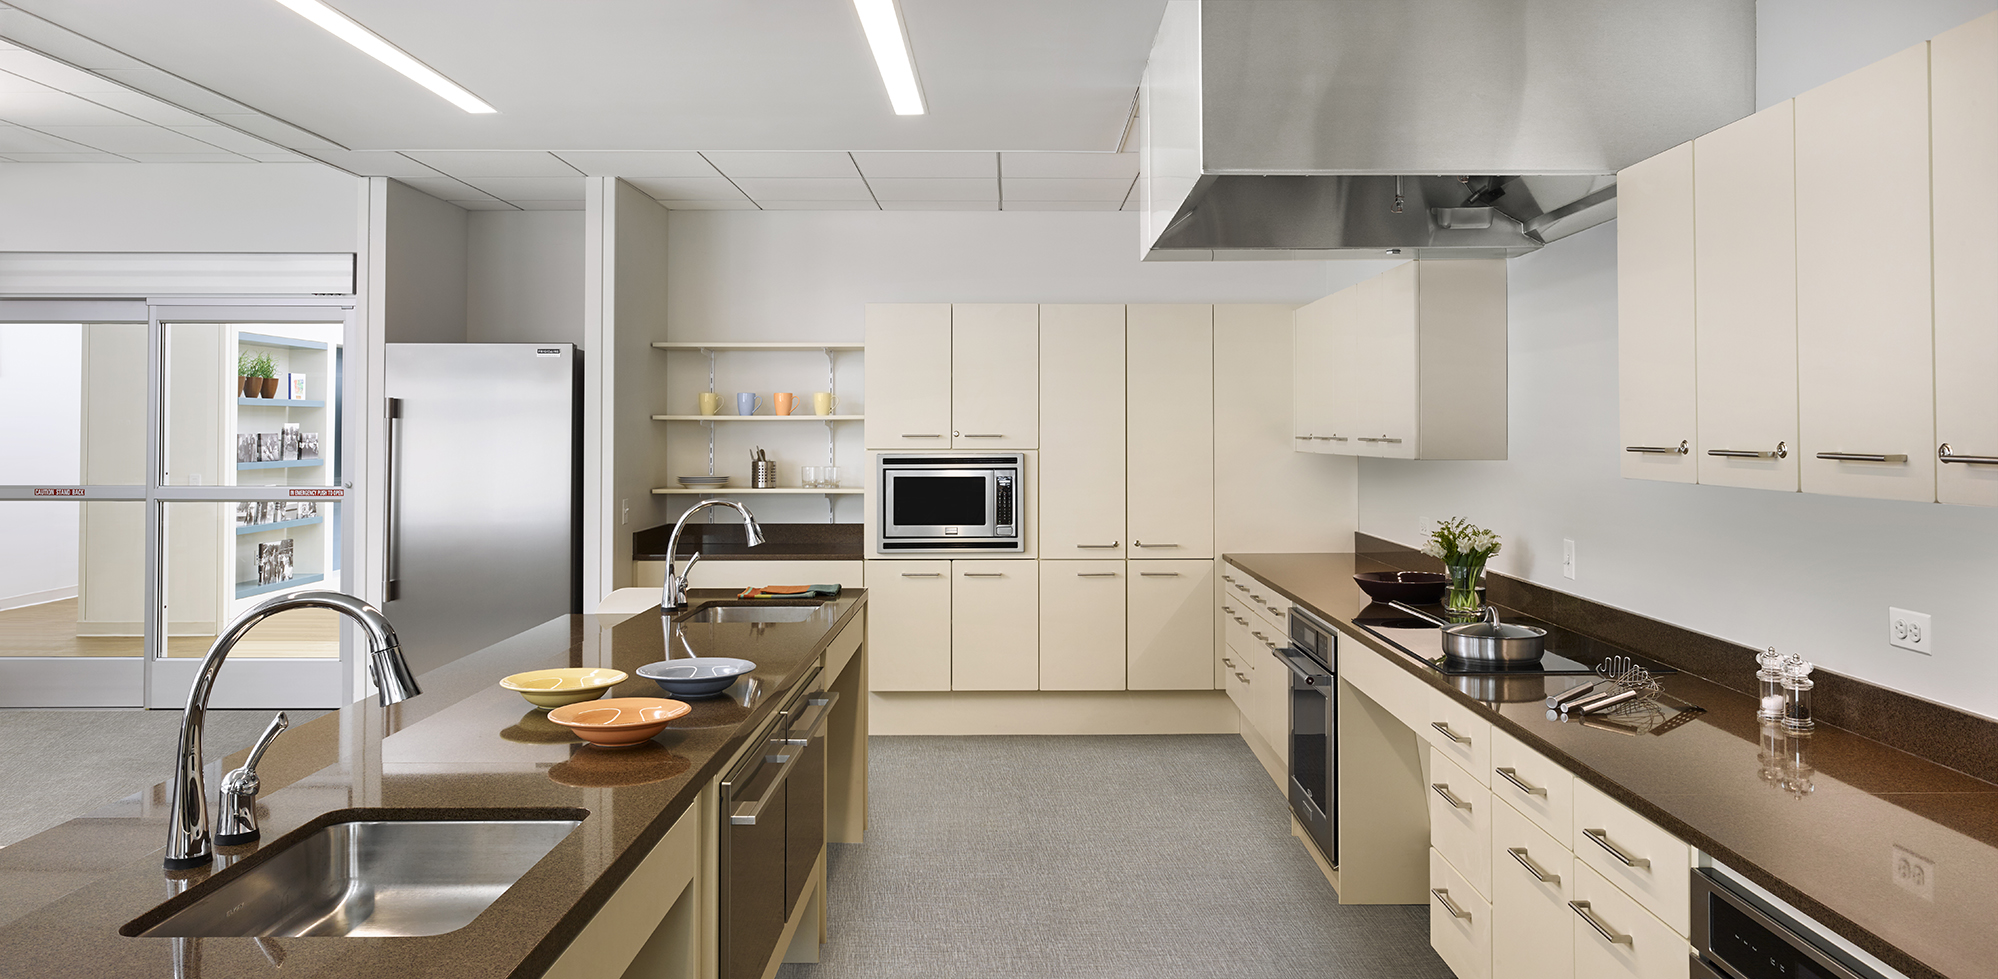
258,528
282,464
758,418
278,403
316,547
250,589
748,491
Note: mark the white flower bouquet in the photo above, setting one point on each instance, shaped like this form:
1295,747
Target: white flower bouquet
1463,547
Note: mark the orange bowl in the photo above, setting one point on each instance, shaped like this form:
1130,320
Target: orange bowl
620,722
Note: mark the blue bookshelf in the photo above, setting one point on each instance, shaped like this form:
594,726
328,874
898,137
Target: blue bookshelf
247,589
258,528
278,403
282,464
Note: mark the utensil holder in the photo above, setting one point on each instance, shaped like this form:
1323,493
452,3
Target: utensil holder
763,474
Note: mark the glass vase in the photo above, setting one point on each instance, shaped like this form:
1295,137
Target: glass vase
1461,596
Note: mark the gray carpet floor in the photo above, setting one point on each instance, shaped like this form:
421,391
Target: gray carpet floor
1093,858
60,764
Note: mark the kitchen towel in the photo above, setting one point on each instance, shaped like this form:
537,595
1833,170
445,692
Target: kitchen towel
791,591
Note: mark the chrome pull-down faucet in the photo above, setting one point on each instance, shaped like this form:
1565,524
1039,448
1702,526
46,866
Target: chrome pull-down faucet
674,595
187,802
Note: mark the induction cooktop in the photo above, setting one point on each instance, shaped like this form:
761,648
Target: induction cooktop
1417,636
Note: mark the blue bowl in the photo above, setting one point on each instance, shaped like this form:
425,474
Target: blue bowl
701,676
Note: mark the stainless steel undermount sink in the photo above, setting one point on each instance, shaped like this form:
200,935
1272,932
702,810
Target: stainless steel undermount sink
372,879
761,612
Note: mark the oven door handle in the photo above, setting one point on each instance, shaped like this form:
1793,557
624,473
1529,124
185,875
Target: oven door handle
1302,667
746,812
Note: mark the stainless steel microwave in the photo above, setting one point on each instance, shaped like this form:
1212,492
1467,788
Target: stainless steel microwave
945,502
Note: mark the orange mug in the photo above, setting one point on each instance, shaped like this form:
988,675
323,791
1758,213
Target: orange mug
785,401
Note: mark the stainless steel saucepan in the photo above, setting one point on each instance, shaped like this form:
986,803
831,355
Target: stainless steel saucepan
1492,641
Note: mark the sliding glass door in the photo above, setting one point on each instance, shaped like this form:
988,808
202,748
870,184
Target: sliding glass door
164,468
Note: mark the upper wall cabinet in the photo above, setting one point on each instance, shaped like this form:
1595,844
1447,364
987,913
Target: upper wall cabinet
1169,426
1963,78
1745,212
995,375
1082,451
1410,364
909,382
1654,299
1865,345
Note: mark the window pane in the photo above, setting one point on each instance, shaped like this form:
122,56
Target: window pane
252,405
224,558
72,403
73,582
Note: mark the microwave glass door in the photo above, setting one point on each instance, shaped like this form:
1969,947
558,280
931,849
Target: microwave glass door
924,504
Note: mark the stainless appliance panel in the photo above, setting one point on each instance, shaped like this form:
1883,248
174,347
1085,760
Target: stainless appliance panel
752,858
946,502
1738,937
484,502
1311,661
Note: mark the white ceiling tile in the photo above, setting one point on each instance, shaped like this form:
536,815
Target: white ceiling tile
19,139
172,88
279,156
40,109
1111,189
495,163
142,106
783,164
211,157
226,138
934,189
688,188
888,205
52,73
67,158
10,82
818,205
129,139
530,188
276,130
924,164
1013,205
445,188
806,188
373,163
486,205
743,204
624,164
549,205
1102,165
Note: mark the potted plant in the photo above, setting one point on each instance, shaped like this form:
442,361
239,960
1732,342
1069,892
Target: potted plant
245,363
1463,548
265,370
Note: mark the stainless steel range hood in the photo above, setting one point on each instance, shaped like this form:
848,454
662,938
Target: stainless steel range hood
1349,128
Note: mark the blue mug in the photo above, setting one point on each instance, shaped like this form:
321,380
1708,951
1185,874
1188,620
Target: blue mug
745,403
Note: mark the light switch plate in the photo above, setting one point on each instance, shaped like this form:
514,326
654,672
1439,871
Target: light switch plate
1910,630
1567,558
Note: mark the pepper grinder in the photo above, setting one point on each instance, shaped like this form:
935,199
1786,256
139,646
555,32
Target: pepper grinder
1797,684
1769,685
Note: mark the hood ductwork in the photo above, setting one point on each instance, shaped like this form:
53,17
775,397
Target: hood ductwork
1443,128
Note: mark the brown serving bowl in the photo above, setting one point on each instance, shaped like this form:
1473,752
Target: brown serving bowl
1407,587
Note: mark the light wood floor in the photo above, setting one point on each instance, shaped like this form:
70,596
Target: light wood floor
49,629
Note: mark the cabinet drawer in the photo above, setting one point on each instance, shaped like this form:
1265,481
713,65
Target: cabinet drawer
1256,597
1631,851
1532,882
1458,734
1236,675
1460,922
1460,821
1636,946
1383,682
1538,788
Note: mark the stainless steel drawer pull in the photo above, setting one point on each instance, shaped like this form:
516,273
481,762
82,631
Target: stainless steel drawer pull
1225,661
1381,438
1602,840
1681,449
1244,589
1228,578
1943,454
1582,908
1864,456
1229,611
922,436
745,814
1239,620
1444,729
922,574
1096,574
969,436
1242,678
1306,437
1443,897
985,574
1099,547
1336,438
1158,574
1512,775
1519,854
1444,790
1782,451
1139,543
1258,599
1259,635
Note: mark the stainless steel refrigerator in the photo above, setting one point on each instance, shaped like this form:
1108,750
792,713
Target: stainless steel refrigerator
484,514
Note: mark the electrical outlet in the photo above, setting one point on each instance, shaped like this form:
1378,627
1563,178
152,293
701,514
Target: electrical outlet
1910,630
1567,558
624,517
1915,874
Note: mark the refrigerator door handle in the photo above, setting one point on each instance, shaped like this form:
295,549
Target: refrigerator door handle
390,586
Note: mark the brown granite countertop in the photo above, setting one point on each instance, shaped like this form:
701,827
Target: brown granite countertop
1828,851
464,748
781,542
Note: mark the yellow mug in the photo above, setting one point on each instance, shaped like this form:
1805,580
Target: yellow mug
823,403
710,403
785,401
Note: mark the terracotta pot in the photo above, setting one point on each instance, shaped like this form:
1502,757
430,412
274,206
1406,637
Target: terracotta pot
270,387
243,385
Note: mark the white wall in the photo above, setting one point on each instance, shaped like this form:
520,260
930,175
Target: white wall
524,277
1809,573
425,277
41,431
170,207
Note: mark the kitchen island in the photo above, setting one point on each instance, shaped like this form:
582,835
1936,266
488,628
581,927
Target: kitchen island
467,749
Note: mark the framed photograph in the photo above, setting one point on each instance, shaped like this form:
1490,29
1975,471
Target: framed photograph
246,447
290,448
270,446
308,445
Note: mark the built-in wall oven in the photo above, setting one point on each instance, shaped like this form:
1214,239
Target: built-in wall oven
1739,935
948,502
1312,658
773,808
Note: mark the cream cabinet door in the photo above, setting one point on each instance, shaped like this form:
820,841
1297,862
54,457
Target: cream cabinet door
1615,938
1865,342
908,625
1082,625
1964,112
1532,877
1340,385
995,375
1314,360
1656,417
1385,351
1270,699
1082,444
908,375
995,625
1169,427
1170,607
1744,188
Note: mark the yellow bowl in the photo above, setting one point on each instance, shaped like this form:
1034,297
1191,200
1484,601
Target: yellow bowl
548,689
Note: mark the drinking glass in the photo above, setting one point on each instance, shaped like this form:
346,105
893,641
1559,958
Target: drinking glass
829,477
808,477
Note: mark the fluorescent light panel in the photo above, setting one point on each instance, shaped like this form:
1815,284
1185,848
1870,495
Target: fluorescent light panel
883,24
372,44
